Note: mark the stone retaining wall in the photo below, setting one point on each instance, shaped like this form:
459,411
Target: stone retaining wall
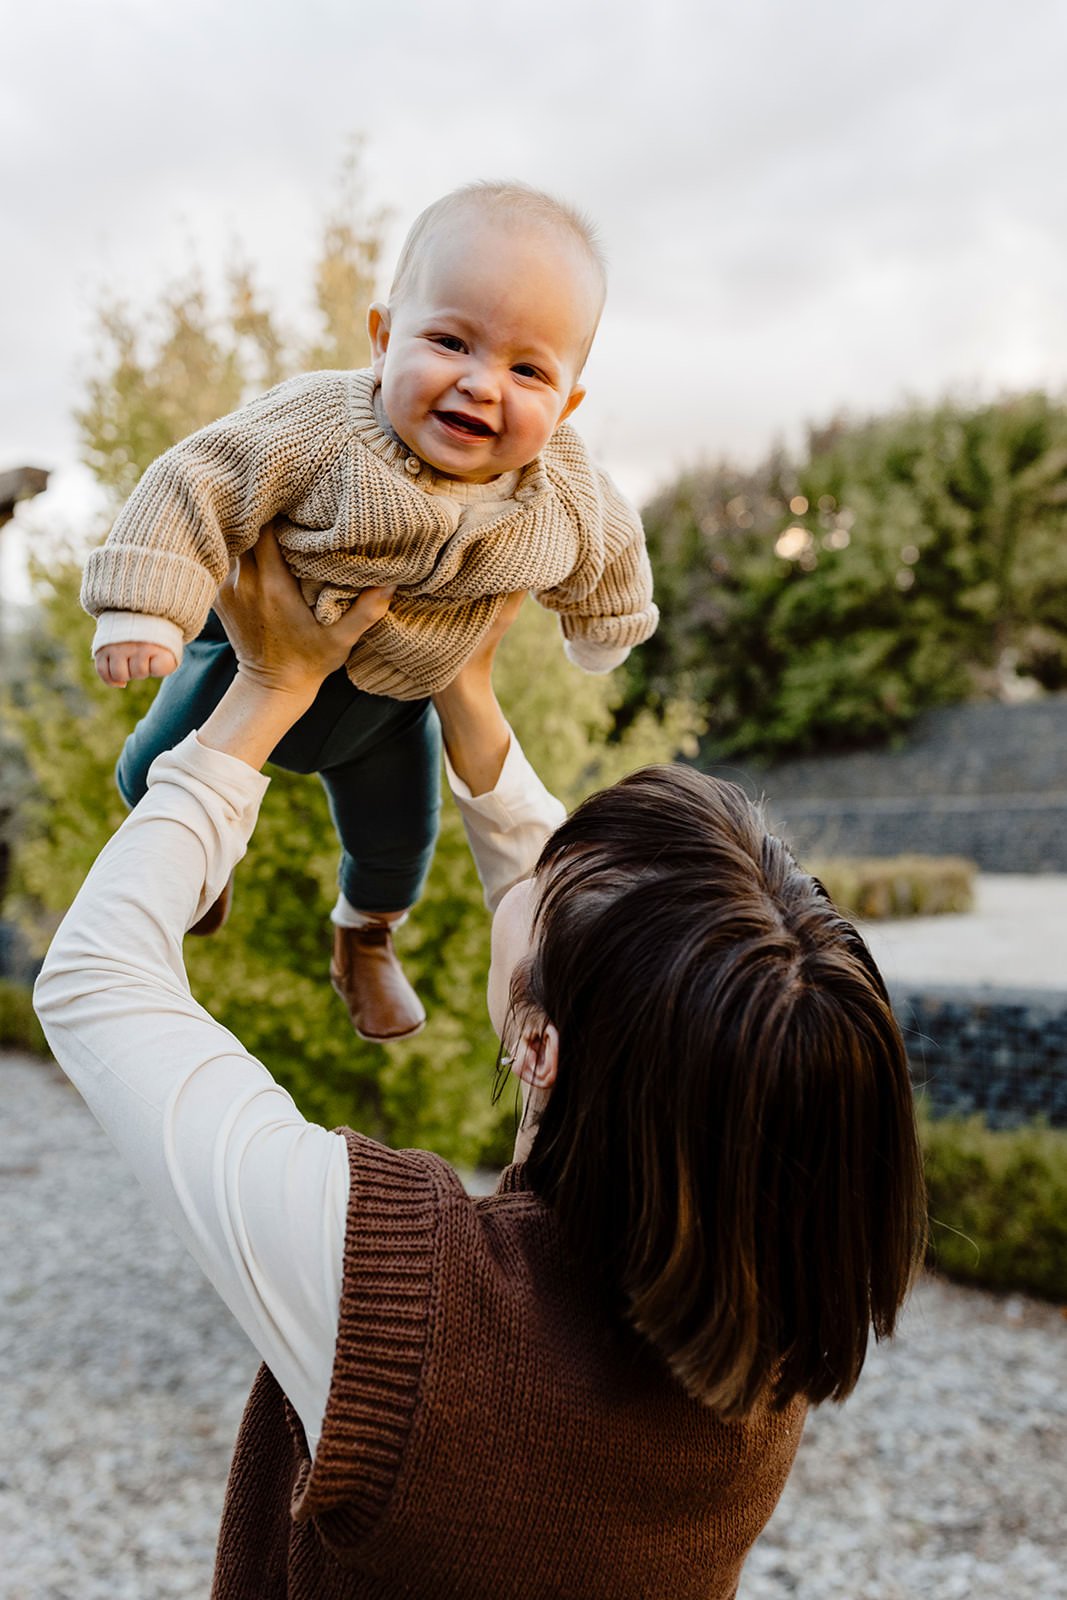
1001,1052
999,833
984,781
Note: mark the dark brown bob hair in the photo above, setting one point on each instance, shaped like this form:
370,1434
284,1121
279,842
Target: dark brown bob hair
730,1144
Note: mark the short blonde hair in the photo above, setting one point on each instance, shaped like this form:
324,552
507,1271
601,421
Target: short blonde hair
506,201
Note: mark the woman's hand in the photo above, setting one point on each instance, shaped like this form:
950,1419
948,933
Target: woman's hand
475,732
276,637
283,652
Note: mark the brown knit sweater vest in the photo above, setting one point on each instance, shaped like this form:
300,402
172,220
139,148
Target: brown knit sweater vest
488,1434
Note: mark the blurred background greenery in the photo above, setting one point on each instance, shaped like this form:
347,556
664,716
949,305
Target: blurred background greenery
900,563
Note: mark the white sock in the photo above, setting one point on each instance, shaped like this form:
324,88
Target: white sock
346,915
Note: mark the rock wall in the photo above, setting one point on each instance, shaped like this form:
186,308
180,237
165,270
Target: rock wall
999,1052
984,781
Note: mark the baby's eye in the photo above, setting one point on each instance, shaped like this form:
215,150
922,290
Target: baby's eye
448,341
524,370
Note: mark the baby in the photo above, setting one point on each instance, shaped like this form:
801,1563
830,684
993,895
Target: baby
446,469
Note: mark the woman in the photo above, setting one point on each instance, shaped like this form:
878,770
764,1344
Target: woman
593,1382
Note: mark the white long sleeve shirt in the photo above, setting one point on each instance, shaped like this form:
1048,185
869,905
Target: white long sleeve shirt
258,1194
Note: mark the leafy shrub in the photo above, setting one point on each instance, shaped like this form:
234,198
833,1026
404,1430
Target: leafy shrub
998,1204
900,563
875,888
19,1028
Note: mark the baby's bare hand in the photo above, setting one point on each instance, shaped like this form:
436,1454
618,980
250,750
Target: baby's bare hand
117,664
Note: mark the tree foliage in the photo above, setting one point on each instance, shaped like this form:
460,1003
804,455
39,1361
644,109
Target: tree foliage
903,562
265,975
161,375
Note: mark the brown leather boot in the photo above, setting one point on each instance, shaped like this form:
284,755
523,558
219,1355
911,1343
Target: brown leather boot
371,982
216,913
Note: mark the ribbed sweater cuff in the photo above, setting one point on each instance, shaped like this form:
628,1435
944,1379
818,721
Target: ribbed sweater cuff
381,1341
156,583
616,633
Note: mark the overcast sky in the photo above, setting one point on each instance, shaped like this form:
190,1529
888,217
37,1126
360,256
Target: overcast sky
806,208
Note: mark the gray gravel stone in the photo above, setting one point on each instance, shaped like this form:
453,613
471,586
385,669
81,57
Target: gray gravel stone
943,1478
945,1474
125,1376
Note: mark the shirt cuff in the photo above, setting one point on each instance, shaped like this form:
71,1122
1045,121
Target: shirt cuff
507,827
593,657
130,627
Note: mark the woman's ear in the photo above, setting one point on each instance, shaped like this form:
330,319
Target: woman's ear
536,1058
378,333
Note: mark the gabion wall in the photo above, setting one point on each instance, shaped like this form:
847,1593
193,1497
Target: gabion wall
984,781
1000,1052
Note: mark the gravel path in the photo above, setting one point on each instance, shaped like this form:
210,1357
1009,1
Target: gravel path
944,1478
1013,939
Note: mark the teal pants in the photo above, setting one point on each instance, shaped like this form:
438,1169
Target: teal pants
379,761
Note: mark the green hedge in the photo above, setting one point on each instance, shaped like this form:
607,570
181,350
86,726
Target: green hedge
875,888
19,1028
998,1204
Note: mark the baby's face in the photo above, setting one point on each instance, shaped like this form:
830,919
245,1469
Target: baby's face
479,359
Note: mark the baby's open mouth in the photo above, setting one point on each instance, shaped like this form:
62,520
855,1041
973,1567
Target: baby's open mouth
464,424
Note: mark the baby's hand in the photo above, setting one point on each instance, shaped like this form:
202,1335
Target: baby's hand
118,663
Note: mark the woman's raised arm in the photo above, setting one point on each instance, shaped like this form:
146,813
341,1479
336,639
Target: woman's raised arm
258,1194
507,811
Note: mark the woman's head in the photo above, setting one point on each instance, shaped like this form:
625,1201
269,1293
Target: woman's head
728,1132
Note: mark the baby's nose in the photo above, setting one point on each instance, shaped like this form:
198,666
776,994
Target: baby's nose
478,383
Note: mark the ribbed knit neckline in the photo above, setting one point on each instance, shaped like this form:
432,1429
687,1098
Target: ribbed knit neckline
513,1180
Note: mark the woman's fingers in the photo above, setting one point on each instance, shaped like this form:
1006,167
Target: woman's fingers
265,559
484,655
268,549
273,630
511,608
245,562
369,606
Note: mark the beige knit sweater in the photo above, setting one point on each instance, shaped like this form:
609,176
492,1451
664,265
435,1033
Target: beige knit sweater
352,513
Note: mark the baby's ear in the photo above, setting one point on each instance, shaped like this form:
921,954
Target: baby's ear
378,323
574,400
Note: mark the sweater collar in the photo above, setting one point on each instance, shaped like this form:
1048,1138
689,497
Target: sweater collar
513,1179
